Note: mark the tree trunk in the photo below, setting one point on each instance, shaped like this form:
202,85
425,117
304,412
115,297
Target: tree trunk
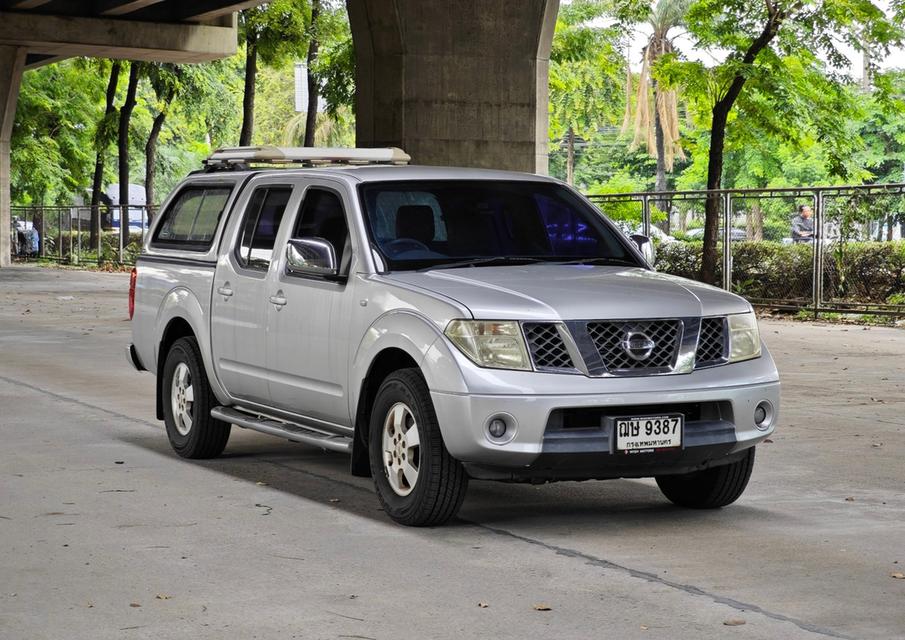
125,116
313,93
97,182
714,180
570,156
721,110
248,99
660,142
151,161
758,223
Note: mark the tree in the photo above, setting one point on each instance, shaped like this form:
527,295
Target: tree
272,32
759,38
122,144
663,138
313,89
104,135
584,65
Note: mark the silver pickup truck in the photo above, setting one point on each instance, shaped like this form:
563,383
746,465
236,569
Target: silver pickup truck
440,325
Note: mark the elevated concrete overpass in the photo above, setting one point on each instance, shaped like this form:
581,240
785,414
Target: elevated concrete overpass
453,83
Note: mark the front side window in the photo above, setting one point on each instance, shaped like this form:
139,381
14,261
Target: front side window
191,221
322,216
421,224
259,229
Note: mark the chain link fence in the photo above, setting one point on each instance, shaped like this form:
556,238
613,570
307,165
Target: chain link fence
821,249
78,234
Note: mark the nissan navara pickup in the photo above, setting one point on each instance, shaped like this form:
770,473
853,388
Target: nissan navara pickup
440,325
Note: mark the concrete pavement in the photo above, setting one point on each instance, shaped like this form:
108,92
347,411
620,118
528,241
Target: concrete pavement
104,533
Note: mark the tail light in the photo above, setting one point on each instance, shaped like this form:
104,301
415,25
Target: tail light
132,280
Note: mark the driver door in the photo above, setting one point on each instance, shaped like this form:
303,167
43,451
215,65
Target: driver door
308,330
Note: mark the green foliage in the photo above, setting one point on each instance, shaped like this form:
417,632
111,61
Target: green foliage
874,271
585,70
52,143
277,29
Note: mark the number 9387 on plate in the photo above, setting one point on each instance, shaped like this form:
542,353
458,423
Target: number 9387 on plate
648,433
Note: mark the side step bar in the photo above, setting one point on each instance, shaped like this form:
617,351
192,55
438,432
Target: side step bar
289,430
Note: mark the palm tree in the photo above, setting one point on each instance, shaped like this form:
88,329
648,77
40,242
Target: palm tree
662,139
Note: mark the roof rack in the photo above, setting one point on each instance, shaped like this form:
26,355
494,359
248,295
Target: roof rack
242,157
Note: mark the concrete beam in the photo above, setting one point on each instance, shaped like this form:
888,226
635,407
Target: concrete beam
122,7
115,38
455,83
12,65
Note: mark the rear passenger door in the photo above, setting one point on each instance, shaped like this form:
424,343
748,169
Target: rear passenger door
239,301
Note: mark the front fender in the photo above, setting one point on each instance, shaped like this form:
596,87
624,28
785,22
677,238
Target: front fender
417,336
181,303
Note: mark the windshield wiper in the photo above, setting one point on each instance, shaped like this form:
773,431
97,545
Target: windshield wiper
484,262
600,260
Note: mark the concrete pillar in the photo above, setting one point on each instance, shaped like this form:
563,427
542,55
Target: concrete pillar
459,83
12,64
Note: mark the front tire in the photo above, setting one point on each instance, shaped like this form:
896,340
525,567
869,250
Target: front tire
187,402
711,488
417,481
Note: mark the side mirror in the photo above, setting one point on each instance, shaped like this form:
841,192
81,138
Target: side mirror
645,246
311,257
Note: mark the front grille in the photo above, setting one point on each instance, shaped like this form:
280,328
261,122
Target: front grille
609,338
548,351
712,345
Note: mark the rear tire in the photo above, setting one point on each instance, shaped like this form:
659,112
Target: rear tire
418,483
187,402
711,488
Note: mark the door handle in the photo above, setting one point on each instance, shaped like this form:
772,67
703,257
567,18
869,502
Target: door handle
225,290
278,300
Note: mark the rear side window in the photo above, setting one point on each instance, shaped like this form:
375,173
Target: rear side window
191,221
262,222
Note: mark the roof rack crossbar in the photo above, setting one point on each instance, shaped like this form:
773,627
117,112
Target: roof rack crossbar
307,156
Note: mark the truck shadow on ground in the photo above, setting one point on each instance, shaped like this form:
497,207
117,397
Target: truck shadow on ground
610,506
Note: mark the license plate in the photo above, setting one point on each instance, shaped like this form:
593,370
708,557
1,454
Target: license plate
648,433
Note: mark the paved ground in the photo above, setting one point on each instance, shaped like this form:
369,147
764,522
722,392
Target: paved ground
104,533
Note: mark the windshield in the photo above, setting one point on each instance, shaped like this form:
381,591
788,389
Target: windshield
436,224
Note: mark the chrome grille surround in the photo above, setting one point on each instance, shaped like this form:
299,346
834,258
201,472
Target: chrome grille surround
547,347
637,346
713,344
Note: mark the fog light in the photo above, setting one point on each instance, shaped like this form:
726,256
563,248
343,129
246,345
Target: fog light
763,415
760,414
497,428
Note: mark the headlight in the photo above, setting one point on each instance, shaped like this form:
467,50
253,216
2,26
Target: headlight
494,344
744,338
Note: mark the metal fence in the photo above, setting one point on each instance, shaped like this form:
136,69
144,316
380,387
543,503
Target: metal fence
855,263
78,234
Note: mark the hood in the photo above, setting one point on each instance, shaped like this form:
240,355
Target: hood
572,292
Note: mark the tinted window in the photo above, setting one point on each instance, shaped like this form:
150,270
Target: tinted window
262,222
191,221
425,223
322,216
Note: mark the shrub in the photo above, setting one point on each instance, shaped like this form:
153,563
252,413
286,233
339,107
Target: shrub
868,272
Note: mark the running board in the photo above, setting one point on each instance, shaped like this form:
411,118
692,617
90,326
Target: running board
289,430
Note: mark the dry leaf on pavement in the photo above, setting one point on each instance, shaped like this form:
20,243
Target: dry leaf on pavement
542,607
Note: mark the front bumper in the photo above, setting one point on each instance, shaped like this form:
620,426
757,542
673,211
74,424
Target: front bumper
719,426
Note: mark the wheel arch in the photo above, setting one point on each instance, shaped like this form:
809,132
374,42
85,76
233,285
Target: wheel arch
178,327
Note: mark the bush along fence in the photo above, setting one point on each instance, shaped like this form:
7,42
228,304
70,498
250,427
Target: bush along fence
79,235
854,262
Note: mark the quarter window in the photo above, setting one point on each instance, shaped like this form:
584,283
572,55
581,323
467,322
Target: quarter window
262,222
191,221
